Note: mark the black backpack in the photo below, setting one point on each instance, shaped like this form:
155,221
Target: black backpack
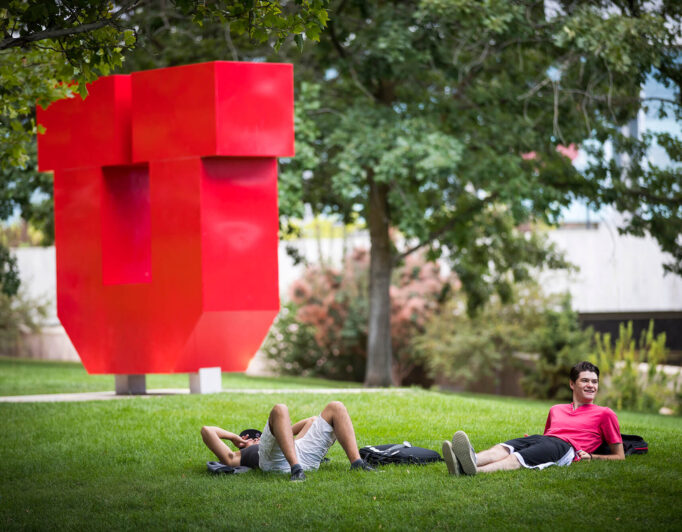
401,453
631,445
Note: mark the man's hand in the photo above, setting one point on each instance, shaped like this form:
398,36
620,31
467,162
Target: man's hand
584,455
239,442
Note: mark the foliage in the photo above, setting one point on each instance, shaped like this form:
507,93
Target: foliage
560,343
50,49
466,349
426,109
18,314
624,383
323,330
19,234
140,463
47,45
25,192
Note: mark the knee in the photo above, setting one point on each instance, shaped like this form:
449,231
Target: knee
205,431
337,406
279,410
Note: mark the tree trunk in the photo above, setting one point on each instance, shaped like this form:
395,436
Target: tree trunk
379,352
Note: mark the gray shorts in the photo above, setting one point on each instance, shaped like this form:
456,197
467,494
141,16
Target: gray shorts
310,449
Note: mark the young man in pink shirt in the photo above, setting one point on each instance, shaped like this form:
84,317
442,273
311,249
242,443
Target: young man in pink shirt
572,432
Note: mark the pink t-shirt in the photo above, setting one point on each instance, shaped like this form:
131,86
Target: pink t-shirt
585,427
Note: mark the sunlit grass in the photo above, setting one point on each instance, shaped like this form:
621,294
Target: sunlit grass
27,377
139,463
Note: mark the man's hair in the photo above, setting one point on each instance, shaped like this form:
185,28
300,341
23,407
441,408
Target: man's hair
580,367
250,434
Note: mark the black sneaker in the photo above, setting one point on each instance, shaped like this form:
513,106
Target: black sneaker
361,465
298,476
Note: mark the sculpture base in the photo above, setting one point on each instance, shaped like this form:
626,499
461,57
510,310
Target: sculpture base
131,384
206,380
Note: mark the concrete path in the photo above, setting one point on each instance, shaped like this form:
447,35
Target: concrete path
104,396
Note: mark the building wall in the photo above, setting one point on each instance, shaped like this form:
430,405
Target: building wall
616,273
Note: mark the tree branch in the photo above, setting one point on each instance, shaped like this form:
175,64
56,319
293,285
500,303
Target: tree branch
453,221
342,54
55,33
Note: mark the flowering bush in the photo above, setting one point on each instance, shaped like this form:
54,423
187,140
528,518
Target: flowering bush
323,330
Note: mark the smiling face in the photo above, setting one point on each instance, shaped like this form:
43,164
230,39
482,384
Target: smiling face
585,388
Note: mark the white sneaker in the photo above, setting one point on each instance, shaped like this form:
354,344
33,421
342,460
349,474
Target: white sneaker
464,453
451,459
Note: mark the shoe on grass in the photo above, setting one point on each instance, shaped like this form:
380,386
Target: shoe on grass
361,465
464,452
451,459
297,476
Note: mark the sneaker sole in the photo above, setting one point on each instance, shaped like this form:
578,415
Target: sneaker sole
450,459
464,452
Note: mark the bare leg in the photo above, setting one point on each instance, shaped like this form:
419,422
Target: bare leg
336,414
280,426
494,454
508,463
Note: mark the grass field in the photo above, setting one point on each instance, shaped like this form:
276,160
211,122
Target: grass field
139,463
29,377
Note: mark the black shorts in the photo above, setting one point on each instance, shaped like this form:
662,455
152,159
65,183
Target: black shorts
538,452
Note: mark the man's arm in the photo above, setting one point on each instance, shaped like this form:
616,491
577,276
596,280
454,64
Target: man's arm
213,437
300,428
617,453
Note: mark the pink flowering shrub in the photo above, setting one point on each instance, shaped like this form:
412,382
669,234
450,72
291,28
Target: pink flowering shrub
323,330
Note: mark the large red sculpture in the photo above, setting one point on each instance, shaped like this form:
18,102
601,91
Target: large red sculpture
165,194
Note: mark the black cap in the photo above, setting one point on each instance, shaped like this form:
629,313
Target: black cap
250,434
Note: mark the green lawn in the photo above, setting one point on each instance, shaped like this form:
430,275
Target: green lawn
27,377
139,463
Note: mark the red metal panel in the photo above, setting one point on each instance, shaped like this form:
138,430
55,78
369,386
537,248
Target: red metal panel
126,229
168,265
239,234
220,108
173,112
91,132
255,109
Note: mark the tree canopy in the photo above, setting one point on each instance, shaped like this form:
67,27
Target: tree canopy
449,120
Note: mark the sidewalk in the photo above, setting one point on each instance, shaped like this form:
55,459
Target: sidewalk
105,396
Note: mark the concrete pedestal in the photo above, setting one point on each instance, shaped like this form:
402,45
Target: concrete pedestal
131,384
206,380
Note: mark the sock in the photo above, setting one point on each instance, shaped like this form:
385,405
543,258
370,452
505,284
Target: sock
296,468
358,463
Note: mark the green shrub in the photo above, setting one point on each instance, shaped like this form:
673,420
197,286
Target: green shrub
18,314
292,344
323,330
468,349
560,343
624,384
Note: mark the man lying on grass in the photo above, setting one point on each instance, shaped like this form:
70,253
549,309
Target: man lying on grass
284,447
572,432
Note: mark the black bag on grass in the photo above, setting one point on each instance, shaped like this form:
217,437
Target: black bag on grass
401,453
632,444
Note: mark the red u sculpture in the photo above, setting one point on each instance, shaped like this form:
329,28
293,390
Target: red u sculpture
165,194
